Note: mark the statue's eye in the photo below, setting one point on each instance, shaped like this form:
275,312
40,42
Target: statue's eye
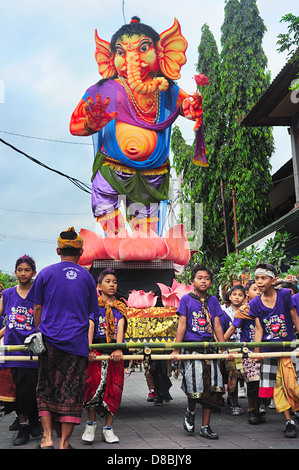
145,47
120,52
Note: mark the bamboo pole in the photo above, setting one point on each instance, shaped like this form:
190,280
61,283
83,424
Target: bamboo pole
172,345
157,357
167,357
195,344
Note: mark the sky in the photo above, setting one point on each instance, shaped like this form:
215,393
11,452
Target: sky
46,64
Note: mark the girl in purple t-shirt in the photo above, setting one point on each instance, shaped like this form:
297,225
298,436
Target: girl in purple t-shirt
20,324
251,368
105,379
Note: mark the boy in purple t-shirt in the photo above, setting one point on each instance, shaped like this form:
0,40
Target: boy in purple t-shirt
199,321
275,316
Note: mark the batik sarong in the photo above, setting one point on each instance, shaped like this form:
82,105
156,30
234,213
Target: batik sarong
61,383
252,370
104,385
202,380
7,391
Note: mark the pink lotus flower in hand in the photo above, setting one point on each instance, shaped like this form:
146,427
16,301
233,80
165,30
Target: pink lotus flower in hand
171,296
141,299
201,79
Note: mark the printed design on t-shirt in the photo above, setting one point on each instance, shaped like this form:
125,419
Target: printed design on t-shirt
199,323
21,319
102,327
71,273
275,327
251,333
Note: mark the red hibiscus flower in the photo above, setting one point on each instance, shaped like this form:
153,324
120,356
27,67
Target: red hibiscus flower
201,79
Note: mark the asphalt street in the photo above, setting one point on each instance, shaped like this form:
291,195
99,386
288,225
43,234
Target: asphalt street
156,432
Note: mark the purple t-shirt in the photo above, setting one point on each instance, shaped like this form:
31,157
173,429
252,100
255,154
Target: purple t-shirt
246,328
296,300
225,321
277,322
19,325
197,328
68,294
100,325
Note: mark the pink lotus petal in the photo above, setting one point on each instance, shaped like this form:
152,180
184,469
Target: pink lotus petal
175,284
141,299
164,288
171,296
137,247
177,242
171,301
93,247
112,243
160,244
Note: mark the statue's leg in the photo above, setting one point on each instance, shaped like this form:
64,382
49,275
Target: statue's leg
111,222
144,218
105,205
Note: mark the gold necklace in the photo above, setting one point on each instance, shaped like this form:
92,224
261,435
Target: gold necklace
138,109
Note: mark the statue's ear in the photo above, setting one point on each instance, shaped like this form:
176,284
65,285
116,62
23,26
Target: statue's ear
171,51
103,57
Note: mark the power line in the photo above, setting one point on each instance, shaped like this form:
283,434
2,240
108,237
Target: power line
43,138
41,213
84,187
21,237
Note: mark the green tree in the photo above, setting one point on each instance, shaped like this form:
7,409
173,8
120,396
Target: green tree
290,41
238,157
196,181
8,280
244,159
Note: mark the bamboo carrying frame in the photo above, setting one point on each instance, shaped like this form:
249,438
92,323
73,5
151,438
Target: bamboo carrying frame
147,348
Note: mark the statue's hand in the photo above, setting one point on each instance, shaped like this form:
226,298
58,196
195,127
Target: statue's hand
192,109
96,114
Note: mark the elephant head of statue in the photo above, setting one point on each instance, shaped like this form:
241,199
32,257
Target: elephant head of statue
144,58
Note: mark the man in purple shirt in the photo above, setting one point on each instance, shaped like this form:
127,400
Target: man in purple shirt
64,295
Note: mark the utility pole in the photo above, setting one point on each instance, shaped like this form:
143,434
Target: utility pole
235,220
224,217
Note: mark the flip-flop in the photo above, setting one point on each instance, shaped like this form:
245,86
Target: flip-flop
45,447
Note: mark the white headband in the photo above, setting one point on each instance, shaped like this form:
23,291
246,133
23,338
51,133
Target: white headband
264,272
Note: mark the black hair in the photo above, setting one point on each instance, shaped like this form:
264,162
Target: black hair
134,27
267,266
70,251
201,267
289,285
249,284
237,287
104,273
26,259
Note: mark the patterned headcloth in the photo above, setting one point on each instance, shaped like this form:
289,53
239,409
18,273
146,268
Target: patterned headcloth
70,238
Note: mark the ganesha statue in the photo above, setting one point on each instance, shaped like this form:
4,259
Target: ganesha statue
129,114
